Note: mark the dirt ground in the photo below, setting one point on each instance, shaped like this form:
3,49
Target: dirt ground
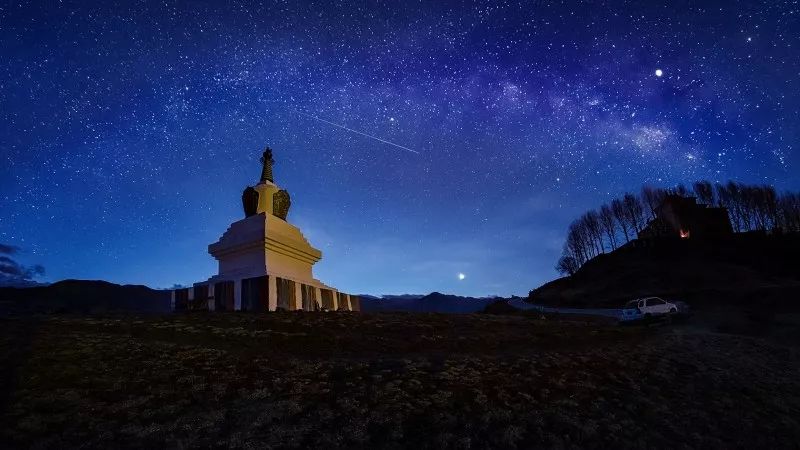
331,380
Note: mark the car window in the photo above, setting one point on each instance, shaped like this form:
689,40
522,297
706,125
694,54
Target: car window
654,302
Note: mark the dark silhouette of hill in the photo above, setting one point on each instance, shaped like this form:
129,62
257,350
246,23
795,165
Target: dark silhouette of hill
751,269
83,297
433,302
500,306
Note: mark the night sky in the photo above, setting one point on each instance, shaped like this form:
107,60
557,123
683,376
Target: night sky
128,130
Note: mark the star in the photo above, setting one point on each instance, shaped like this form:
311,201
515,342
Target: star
468,128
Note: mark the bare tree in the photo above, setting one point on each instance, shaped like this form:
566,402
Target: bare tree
729,197
725,200
681,190
576,242
750,207
652,198
754,204
793,211
784,215
609,225
634,212
618,208
788,205
704,192
567,265
744,200
591,221
767,207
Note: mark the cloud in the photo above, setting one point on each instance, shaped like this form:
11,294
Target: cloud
6,249
13,273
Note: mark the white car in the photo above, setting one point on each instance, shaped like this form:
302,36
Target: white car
646,307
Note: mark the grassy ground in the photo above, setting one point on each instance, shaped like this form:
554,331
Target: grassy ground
389,381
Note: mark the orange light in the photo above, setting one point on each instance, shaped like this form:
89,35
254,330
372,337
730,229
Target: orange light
684,234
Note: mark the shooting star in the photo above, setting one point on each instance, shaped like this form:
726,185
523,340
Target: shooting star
357,132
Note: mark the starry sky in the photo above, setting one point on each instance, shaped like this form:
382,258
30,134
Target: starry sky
128,129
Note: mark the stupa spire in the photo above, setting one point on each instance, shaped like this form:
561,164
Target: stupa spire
266,169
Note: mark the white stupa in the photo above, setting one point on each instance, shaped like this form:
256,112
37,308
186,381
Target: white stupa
265,263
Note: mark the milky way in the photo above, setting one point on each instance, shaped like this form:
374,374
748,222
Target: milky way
129,130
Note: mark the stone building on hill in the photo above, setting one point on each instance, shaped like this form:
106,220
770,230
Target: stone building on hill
683,217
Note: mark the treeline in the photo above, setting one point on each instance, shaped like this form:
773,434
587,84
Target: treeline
750,208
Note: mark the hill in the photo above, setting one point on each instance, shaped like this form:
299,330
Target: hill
433,302
744,269
82,297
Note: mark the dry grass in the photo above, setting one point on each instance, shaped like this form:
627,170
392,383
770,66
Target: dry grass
389,381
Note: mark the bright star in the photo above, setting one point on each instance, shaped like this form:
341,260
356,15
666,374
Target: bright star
461,276
659,72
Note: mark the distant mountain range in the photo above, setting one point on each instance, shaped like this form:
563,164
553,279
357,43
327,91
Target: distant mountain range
433,302
83,297
96,297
